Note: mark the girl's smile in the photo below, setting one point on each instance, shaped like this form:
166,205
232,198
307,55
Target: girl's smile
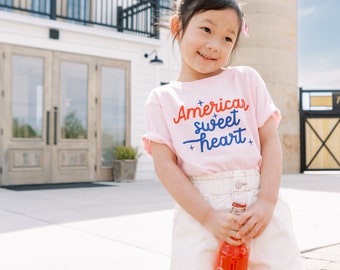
206,56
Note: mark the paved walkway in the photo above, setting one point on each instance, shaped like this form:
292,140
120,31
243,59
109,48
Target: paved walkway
126,226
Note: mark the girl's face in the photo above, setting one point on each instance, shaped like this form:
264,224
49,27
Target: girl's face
207,43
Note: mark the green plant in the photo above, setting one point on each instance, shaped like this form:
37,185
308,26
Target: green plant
126,152
72,128
23,130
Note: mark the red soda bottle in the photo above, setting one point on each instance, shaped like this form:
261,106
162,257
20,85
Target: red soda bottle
233,257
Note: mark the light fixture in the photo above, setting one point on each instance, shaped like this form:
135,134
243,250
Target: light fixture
156,60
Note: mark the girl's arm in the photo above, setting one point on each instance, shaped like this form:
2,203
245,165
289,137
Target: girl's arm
257,217
220,223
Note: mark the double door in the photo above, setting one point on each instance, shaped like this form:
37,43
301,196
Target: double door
57,116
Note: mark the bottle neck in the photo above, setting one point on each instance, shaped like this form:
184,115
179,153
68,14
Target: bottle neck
238,208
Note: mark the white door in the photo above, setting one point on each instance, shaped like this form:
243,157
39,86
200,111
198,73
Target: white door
48,130
73,116
27,98
62,115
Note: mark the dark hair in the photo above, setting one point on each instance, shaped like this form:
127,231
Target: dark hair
186,9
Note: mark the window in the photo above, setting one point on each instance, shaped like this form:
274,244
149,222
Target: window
78,9
74,93
41,6
27,96
113,111
7,3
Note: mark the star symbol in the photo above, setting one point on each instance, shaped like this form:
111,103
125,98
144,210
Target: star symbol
215,115
191,147
250,141
200,102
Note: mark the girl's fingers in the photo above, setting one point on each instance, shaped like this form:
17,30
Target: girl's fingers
233,241
246,228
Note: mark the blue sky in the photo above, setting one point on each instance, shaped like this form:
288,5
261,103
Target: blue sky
319,44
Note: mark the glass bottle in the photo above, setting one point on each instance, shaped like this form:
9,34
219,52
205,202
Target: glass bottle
233,257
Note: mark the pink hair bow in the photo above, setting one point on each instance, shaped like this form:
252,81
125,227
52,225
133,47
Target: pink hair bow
244,28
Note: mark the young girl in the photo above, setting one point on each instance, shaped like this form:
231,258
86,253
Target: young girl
213,138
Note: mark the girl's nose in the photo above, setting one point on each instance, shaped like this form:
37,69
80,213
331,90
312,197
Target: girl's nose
213,45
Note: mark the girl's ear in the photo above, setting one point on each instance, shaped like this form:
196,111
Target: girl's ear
175,27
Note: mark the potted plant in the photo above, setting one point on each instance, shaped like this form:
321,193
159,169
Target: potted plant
125,165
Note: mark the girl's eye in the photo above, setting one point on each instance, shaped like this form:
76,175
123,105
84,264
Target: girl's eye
228,39
206,29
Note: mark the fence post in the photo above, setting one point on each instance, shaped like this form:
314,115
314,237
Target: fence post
302,133
120,19
53,11
156,18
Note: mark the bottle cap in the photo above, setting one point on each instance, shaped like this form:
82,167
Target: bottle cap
239,204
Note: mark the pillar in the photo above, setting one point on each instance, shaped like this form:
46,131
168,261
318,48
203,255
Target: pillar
272,50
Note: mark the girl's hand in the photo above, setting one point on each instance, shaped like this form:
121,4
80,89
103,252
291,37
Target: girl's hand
255,220
223,225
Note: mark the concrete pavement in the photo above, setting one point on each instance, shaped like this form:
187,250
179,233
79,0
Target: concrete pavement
315,203
108,225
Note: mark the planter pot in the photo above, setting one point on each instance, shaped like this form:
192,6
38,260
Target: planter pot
124,170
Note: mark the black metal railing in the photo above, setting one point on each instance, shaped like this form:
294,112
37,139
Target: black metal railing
139,17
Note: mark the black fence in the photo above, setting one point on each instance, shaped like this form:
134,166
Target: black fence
139,17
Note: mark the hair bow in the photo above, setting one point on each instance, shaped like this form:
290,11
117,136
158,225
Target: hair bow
244,28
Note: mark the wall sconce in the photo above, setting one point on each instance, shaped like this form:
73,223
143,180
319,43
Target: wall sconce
156,60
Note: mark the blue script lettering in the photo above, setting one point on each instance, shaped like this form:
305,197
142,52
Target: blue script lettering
221,123
233,137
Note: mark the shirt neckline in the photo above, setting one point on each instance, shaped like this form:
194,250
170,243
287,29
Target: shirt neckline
180,84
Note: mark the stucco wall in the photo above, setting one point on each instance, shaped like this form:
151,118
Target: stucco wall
272,50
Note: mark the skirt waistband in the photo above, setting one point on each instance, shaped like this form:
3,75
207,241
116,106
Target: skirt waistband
227,182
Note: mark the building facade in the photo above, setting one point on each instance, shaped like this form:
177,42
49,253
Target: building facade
74,81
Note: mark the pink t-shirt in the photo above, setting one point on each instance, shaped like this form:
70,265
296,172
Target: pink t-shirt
211,124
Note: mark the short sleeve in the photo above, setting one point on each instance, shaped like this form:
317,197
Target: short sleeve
156,127
265,107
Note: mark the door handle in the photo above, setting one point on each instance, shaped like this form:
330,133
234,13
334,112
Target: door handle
48,127
55,124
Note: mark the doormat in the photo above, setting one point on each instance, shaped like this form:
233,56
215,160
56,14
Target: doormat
58,186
